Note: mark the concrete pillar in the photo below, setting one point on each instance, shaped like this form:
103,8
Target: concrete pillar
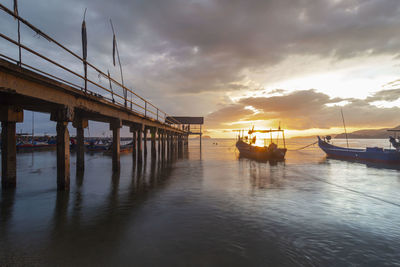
80,125
163,143
115,127
63,164
180,143
134,144
159,141
186,140
9,116
153,142
168,143
8,154
175,142
139,145
62,116
145,142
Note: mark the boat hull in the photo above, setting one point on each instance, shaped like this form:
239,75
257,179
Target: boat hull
260,153
370,154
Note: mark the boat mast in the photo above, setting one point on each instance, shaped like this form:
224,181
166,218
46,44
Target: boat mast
344,125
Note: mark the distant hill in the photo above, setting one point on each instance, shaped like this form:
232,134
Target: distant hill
368,134
360,134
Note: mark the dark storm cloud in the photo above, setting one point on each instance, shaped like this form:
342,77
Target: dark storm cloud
385,95
194,46
307,109
187,47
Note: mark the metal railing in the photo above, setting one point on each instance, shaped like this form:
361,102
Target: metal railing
141,106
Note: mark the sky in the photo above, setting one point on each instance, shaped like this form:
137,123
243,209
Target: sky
296,63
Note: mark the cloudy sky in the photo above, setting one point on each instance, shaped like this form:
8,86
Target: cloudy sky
237,63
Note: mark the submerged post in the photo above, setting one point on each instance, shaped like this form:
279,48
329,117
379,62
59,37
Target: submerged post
116,126
9,116
63,116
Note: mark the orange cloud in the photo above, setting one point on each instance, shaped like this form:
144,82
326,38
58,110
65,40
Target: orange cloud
308,109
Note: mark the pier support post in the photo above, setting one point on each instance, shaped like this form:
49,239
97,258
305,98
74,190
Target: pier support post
169,146
63,116
186,140
139,145
80,124
63,163
145,142
116,126
180,143
153,142
176,142
133,131
9,116
159,141
163,143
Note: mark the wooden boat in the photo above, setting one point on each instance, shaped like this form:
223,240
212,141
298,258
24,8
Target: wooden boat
97,146
126,148
24,146
247,147
369,154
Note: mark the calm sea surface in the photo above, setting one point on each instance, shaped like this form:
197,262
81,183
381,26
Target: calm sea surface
205,208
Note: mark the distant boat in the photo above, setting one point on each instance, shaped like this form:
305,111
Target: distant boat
126,148
97,146
369,154
247,147
23,146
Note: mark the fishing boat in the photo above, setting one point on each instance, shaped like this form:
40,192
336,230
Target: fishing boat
125,148
98,146
369,154
248,148
35,145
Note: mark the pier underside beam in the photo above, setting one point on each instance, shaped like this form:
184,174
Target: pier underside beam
9,116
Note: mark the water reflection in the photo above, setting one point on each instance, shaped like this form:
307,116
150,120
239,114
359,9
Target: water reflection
367,163
264,174
209,210
6,209
107,222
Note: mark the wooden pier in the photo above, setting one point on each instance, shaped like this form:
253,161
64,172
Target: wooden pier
25,87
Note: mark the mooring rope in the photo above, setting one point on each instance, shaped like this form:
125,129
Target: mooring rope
303,147
313,177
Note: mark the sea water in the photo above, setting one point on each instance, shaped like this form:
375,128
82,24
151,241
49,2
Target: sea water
204,207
